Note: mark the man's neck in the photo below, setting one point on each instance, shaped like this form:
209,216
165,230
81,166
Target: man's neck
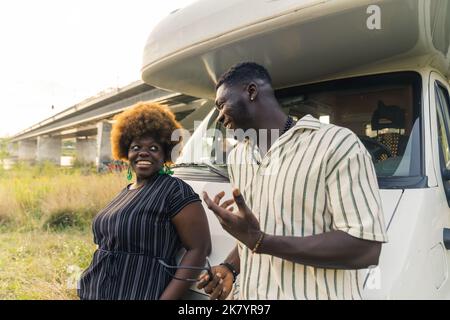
273,124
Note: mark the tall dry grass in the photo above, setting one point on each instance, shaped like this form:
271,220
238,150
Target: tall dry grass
9,206
36,197
78,198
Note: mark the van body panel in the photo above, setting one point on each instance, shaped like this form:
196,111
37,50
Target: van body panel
283,36
194,68
222,243
407,262
389,202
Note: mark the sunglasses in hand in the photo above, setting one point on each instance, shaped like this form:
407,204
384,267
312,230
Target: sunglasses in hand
171,270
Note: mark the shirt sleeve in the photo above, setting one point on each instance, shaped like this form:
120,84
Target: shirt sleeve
353,195
180,196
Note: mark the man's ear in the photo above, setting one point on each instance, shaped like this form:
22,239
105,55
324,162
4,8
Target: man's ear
252,90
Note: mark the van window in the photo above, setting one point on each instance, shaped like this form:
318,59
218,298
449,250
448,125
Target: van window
443,117
209,145
384,111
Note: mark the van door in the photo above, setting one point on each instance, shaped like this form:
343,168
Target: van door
440,253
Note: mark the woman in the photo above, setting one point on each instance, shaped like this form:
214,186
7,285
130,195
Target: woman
139,233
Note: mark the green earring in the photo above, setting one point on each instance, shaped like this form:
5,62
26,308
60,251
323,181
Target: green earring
165,170
129,174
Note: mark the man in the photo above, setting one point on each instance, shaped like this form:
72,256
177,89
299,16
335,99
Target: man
309,214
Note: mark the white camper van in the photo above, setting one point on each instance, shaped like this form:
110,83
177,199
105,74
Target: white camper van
380,68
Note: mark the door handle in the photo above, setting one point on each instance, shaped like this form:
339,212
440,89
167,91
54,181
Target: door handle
447,238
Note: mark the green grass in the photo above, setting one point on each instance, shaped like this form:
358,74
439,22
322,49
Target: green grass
42,265
45,233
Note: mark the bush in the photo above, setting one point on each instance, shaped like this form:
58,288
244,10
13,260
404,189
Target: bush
63,219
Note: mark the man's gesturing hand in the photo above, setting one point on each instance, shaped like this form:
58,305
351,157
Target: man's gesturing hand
242,225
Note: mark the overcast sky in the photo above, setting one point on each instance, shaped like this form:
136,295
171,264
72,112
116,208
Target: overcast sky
59,52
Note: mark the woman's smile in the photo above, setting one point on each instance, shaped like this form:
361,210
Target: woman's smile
143,164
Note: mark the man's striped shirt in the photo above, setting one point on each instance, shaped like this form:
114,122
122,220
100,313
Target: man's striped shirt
314,179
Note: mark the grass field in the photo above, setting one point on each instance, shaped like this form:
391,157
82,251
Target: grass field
45,227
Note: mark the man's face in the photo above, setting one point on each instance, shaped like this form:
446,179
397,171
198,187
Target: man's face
231,101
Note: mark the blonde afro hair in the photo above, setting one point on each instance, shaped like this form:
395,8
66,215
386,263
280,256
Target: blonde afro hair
141,120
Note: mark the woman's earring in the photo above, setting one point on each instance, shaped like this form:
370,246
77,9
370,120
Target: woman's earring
165,170
129,174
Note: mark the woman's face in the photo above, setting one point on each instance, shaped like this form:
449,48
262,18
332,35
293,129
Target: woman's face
146,157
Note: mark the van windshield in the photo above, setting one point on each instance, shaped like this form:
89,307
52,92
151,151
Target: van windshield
383,110
205,147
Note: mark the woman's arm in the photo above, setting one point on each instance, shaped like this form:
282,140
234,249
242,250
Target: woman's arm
192,227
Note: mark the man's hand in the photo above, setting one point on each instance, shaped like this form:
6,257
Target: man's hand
242,225
219,287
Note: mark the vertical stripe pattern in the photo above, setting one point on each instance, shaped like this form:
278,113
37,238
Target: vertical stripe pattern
315,178
131,231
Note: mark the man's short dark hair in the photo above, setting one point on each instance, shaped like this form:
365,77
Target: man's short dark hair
244,72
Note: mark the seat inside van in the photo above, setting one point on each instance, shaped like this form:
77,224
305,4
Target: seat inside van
389,124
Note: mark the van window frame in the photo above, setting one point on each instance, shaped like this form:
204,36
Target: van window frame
410,77
438,85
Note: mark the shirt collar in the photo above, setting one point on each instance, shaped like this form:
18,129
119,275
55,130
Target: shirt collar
308,122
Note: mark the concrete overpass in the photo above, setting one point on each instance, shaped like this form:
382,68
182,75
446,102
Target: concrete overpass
90,121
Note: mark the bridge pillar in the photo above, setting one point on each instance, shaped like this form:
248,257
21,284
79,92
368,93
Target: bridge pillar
104,154
13,149
86,150
27,150
49,149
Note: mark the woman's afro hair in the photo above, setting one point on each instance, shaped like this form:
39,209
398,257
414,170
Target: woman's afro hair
142,120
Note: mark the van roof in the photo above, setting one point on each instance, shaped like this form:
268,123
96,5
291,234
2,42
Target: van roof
297,40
